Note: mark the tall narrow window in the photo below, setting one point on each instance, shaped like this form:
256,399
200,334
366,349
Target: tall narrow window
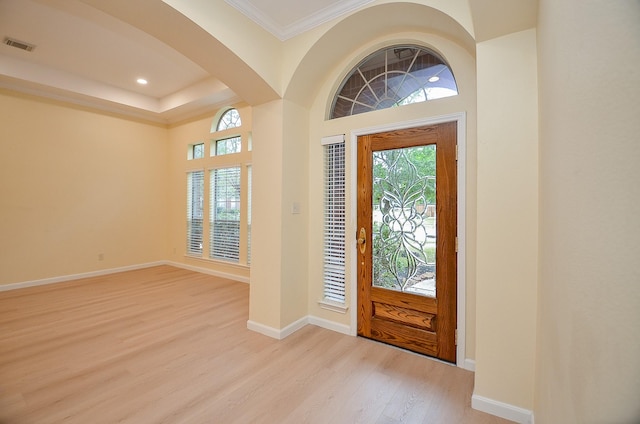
334,219
249,175
224,213
195,198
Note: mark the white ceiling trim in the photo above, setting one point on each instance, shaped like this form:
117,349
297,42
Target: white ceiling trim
285,32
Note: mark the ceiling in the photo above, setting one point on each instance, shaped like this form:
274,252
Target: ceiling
88,57
288,18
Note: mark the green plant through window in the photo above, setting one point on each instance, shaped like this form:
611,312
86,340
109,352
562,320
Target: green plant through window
404,224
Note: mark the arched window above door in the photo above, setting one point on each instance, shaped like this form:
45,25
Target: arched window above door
393,76
229,119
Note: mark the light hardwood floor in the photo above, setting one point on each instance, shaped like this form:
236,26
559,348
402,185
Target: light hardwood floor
166,345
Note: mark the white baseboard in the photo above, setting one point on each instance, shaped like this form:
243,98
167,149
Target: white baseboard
63,278
274,332
330,325
469,364
208,271
102,272
295,326
502,410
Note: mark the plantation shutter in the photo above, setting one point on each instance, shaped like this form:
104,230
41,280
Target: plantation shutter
334,218
195,199
224,238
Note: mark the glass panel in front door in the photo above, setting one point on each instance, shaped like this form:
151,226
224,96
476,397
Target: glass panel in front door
404,219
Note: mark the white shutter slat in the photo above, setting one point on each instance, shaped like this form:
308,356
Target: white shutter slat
224,214
334,219
195,199
249,177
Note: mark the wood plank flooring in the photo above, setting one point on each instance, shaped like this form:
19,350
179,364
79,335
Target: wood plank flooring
166,345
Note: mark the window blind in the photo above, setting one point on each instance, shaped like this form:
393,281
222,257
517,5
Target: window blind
195,198
334,218
224,213
249,175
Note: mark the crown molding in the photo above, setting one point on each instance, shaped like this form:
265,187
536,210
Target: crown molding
300,26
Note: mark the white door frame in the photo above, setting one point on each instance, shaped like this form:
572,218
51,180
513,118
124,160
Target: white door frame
460,119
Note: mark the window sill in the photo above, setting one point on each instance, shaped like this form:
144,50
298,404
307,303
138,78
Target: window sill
333,306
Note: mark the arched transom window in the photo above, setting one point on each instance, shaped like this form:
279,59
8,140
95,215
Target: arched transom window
229,119
394,76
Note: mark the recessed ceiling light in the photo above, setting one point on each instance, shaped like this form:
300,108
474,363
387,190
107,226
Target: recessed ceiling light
142,81
434,78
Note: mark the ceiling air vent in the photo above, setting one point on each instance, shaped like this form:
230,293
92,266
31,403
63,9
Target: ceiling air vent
18,44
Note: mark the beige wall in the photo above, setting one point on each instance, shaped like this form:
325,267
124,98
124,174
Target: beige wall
279,284
295,242
267,243
507,214
74,185
588,367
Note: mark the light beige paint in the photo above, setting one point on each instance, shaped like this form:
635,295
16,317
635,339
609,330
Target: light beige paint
74,185
263,54
295,242
279,283
507,219
495,18
267,240
589,311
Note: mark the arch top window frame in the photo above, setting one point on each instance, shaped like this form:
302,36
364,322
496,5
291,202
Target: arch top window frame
393,76
229,119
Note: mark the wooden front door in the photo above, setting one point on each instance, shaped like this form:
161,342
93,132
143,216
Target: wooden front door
407,239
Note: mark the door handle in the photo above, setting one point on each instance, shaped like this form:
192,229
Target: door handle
362,240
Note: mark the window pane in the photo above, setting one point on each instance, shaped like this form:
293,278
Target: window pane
225,214
249,176
195,198
198,151
394,76
228,146
195,151
230,119
334,222
404,222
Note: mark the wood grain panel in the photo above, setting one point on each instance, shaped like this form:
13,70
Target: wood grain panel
414,339
402,315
